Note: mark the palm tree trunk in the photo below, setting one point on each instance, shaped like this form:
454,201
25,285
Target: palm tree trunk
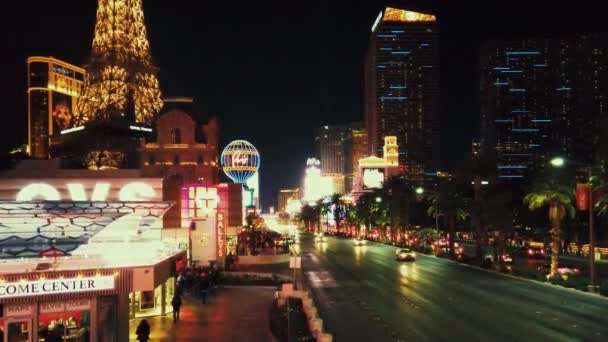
477,218
555,241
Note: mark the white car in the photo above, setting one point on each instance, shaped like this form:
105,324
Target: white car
405,254
358,241
320,238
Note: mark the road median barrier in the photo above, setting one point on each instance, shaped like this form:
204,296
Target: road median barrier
315,323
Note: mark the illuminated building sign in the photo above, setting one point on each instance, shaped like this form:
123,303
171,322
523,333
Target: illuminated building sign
221,235
84,190
373,178
399,15
240,160
55,286
198,202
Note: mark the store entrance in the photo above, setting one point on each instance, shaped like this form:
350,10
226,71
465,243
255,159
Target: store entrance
19,330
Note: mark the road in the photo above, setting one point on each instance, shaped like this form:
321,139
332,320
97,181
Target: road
363,294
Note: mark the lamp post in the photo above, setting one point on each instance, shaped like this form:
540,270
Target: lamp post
559,162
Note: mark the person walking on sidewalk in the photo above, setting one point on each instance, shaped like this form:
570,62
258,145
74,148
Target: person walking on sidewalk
204,288
177,304
143,331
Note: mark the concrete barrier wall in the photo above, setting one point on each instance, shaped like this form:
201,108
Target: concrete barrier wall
263,259
315,323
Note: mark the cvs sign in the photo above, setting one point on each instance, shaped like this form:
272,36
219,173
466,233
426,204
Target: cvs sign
124,190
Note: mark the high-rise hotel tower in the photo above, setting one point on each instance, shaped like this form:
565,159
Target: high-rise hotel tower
402,86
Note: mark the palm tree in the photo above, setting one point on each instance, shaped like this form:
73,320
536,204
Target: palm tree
558,195
364,209
449,202
599,183
353,219
324,206
497,214
400,194
337,205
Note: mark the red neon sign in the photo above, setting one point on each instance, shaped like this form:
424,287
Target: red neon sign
199,201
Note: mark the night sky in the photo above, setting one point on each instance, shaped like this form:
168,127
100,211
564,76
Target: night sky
273,71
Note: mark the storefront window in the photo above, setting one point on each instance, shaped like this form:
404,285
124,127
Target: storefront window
64,321
170,286
149,303
18,331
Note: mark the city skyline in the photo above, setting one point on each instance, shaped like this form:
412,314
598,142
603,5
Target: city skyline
323,170
215,50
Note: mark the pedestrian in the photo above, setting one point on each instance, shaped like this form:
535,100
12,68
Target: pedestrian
177,304
204,288
143,331
229,259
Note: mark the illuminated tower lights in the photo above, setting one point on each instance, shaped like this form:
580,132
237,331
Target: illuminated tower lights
120,73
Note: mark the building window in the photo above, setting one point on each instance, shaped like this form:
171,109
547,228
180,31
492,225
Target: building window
176,136
176,160
199,159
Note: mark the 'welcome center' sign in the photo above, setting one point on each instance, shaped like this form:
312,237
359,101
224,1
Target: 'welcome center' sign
55,286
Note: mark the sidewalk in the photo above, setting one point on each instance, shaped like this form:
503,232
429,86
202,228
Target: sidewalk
230,314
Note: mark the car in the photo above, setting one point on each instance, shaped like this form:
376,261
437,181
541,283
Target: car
358,241
562,269
505,258
405,254
320,237
535,252
445,250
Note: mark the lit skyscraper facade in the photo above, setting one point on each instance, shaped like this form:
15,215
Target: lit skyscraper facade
543,97
330,140
53,87
402,86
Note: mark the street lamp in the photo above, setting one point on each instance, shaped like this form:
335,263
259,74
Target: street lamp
419,190
559,162
378,199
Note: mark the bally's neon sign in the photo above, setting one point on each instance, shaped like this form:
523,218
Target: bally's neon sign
134,191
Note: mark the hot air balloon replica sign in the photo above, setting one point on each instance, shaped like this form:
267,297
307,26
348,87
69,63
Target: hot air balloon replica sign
240,160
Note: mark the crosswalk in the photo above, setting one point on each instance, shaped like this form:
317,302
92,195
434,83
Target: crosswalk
321,279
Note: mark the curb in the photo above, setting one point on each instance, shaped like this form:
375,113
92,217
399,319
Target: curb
596,296
241,286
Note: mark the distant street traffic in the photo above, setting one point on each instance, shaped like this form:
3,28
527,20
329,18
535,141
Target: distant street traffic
364,294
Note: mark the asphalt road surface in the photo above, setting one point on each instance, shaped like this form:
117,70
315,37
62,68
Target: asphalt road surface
364,294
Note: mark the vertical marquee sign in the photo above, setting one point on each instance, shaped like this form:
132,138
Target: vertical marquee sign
221,236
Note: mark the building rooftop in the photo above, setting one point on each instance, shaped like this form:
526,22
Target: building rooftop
400,15
110,234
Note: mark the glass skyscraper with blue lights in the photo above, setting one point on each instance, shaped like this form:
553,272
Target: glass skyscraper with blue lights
402,86
543,97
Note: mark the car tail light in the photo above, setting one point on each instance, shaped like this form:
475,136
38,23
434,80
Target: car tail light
542,251
530,251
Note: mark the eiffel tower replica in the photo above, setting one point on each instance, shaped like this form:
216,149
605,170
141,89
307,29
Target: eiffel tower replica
121,93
